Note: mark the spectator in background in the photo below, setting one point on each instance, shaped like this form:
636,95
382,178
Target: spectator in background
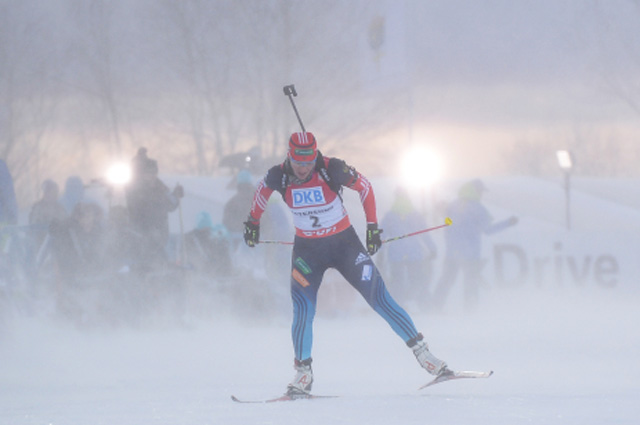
463,240
149,202
208,247
409,260
8,203
73,193
11,252
77,243
44,212
119,240
235,209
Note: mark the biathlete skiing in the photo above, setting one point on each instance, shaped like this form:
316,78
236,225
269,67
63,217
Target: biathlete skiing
311,186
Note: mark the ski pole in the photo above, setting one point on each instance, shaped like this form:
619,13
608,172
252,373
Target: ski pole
183,248
290,91
447,222
276,242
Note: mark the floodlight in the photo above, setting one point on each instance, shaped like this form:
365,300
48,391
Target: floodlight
420,167
564,159
119,174
566,163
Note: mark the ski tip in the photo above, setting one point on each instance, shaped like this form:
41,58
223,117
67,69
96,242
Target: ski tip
284,397
472,374
448,221
270,400
450,375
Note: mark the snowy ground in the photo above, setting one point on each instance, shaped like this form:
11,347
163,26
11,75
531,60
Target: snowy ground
559,358
563,351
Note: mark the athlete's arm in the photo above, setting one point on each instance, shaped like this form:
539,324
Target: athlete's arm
259,204
264,190
349,177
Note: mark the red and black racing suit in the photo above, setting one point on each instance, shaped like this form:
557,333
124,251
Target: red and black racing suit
325,238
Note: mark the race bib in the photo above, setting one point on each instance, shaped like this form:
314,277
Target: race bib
307,197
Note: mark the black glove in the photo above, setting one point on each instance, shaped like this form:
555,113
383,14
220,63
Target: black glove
251,233
373,238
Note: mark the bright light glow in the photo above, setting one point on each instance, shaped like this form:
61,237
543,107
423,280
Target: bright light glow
564,160
119,174
420,167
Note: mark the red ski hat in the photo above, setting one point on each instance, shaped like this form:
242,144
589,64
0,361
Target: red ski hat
303,147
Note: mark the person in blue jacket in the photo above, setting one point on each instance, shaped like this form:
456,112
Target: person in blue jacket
8,203
463,244
10,247
410,260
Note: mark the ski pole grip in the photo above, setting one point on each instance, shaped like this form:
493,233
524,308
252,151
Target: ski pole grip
290,90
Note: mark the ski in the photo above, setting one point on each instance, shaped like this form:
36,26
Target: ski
285,397
449,375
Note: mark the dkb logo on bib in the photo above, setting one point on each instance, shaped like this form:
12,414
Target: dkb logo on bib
308,196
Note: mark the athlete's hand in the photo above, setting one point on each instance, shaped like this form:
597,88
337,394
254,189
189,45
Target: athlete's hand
373,238
251,233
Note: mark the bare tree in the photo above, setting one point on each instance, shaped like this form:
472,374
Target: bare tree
233,59
199,54
95,51
28,100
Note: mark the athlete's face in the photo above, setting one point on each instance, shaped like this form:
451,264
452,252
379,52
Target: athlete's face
302,170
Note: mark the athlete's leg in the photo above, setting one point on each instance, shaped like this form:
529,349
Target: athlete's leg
306,276
358,268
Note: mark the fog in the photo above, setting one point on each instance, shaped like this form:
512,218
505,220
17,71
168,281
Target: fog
552,365
556,322
494,88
